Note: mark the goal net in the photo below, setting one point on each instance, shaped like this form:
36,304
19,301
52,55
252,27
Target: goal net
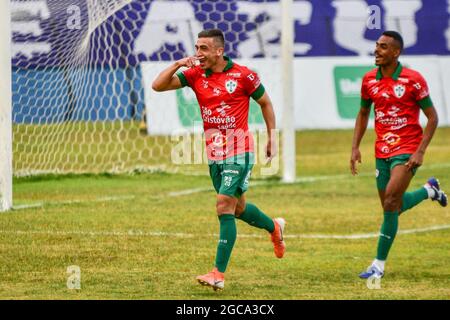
82,71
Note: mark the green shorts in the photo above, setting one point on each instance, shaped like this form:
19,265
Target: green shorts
231,176
384,167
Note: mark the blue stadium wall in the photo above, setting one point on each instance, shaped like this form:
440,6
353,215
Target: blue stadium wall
98,98
47,70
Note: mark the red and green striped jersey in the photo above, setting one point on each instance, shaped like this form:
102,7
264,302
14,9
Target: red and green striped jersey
224,100
397,102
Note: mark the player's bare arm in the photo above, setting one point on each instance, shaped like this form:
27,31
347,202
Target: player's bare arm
167,80
269,117
416,159
360,129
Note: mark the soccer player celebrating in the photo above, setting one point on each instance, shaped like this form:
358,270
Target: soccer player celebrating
398,93
223,89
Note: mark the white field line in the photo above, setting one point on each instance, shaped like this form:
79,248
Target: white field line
139,233
28,206
68,202
198,190
368,235
188,192
262,183
185,192
306,179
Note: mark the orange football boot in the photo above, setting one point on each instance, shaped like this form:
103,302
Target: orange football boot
214,279
279,247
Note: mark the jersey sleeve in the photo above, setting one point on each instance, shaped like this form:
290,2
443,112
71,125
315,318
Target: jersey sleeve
421,92
253,86
187,76
366,101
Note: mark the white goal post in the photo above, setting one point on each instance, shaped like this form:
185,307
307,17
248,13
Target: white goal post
5,109
287,78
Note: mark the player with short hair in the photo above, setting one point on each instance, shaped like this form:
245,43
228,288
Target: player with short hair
398,94
223,90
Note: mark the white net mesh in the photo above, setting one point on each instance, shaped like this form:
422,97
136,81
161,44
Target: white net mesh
79,71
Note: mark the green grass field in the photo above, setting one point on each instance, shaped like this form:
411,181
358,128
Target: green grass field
140,237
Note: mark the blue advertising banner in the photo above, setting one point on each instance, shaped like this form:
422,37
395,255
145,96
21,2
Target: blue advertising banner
146,30
73,61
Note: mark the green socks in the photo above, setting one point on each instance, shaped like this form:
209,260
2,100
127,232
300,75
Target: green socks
387,234
255,217
411,199
226,241
390,223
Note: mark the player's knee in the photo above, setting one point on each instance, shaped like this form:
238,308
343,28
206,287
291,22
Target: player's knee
392,202
224,206
240,208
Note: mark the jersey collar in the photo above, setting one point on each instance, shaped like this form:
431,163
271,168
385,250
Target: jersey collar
395,75
229,65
